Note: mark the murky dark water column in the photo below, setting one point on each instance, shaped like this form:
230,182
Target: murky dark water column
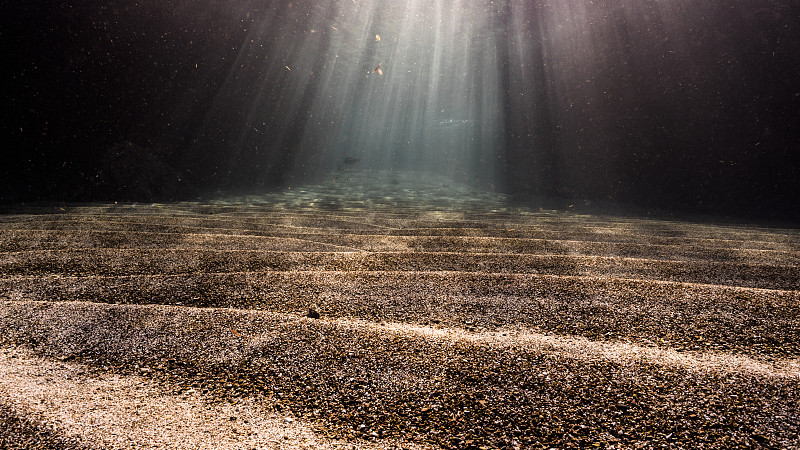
660,103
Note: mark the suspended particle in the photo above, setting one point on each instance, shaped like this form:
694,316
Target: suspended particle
377,38
377,68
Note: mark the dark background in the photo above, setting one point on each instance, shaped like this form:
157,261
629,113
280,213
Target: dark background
109,101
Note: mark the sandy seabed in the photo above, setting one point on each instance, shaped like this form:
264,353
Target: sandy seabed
406,321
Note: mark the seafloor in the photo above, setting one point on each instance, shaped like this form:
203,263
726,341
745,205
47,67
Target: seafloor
393,311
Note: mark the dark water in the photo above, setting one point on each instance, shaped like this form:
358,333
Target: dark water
671,105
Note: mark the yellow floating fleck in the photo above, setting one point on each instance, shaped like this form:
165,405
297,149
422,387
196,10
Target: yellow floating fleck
377,38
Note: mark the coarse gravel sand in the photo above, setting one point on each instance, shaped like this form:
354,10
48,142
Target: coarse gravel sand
414,315
128,411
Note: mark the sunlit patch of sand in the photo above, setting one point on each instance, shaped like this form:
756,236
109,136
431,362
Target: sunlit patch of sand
585,349
575,347
123,411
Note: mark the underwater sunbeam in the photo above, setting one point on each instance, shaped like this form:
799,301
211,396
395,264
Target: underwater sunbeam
406,85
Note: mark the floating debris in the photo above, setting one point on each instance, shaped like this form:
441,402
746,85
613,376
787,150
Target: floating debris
350,160
377,68
452,123
377,38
